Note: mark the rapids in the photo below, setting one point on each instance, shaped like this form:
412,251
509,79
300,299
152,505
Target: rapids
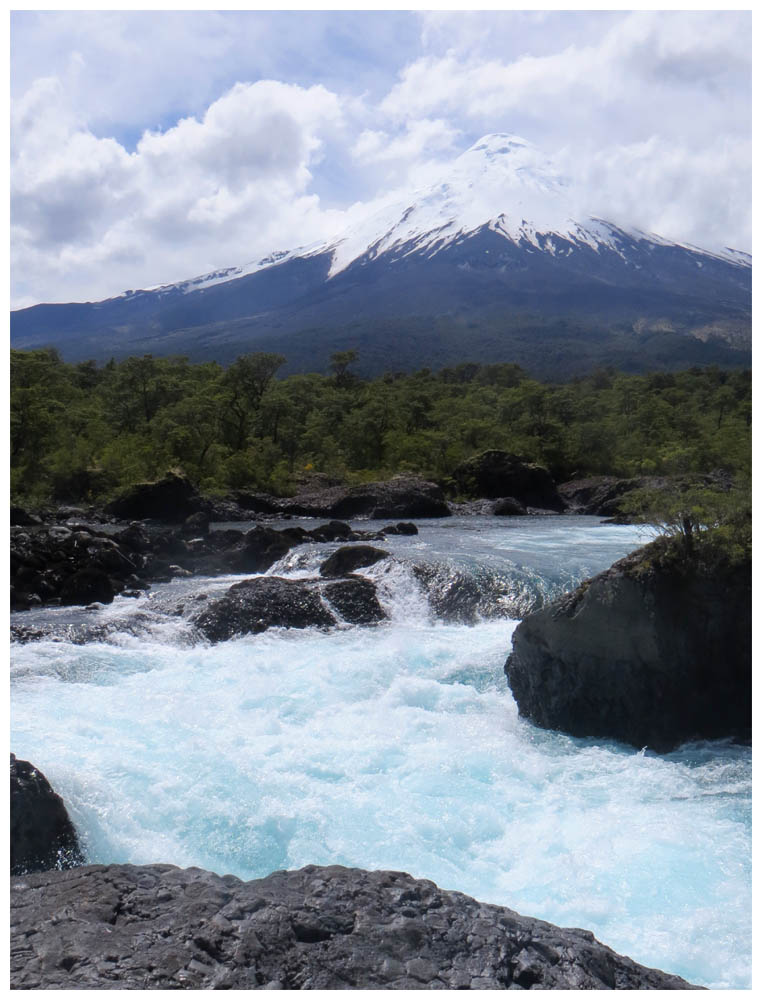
397,746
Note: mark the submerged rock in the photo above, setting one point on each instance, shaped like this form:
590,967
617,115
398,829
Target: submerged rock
161,927
253,606
655,651
42,835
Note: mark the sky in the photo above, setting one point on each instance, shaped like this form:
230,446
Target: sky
149,147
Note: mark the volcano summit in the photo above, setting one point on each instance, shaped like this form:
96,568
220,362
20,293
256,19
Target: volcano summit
492,263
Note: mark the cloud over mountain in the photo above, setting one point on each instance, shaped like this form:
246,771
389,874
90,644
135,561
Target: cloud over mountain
234,134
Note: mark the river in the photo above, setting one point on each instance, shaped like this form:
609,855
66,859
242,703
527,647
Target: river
395,746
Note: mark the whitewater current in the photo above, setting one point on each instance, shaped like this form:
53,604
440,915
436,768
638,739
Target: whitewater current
396,746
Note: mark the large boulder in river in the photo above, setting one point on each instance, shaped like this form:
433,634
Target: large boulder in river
655,651
259,549
355,600
498,474
351,557
252,606
42,835
171,499
157,927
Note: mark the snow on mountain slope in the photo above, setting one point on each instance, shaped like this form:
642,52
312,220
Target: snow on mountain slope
502,182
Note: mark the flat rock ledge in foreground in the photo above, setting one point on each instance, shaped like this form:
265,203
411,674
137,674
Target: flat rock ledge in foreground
161,927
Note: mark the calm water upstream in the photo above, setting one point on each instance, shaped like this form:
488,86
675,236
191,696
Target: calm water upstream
398,747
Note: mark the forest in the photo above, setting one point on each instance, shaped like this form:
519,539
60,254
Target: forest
80,432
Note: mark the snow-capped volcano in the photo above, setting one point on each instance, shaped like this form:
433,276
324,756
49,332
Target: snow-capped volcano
501,182
501,179
496,241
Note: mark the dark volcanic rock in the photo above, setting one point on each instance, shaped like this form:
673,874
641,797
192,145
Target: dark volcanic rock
401,528
508,507
42,835
252,606
74,564
334,531
160,927
351,557
196,524
258,550
355,600
23,518
655,651
498,474
171,499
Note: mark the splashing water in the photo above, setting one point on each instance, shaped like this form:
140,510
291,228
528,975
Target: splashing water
397,746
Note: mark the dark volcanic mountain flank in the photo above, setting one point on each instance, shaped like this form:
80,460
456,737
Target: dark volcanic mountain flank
487,265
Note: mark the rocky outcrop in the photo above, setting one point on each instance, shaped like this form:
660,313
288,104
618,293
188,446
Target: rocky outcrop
498,474
609,496
160,927
174,498
404,496
171,499
656,651
351,557
69,564
81,564
42,835
602,495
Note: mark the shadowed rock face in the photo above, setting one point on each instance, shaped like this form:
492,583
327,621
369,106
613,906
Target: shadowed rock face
497,474
42,835
171,499
653,652
160,927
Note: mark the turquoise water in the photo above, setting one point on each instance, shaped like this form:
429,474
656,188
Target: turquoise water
398,747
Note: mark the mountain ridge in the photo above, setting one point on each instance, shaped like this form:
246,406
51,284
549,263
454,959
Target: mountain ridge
494,235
